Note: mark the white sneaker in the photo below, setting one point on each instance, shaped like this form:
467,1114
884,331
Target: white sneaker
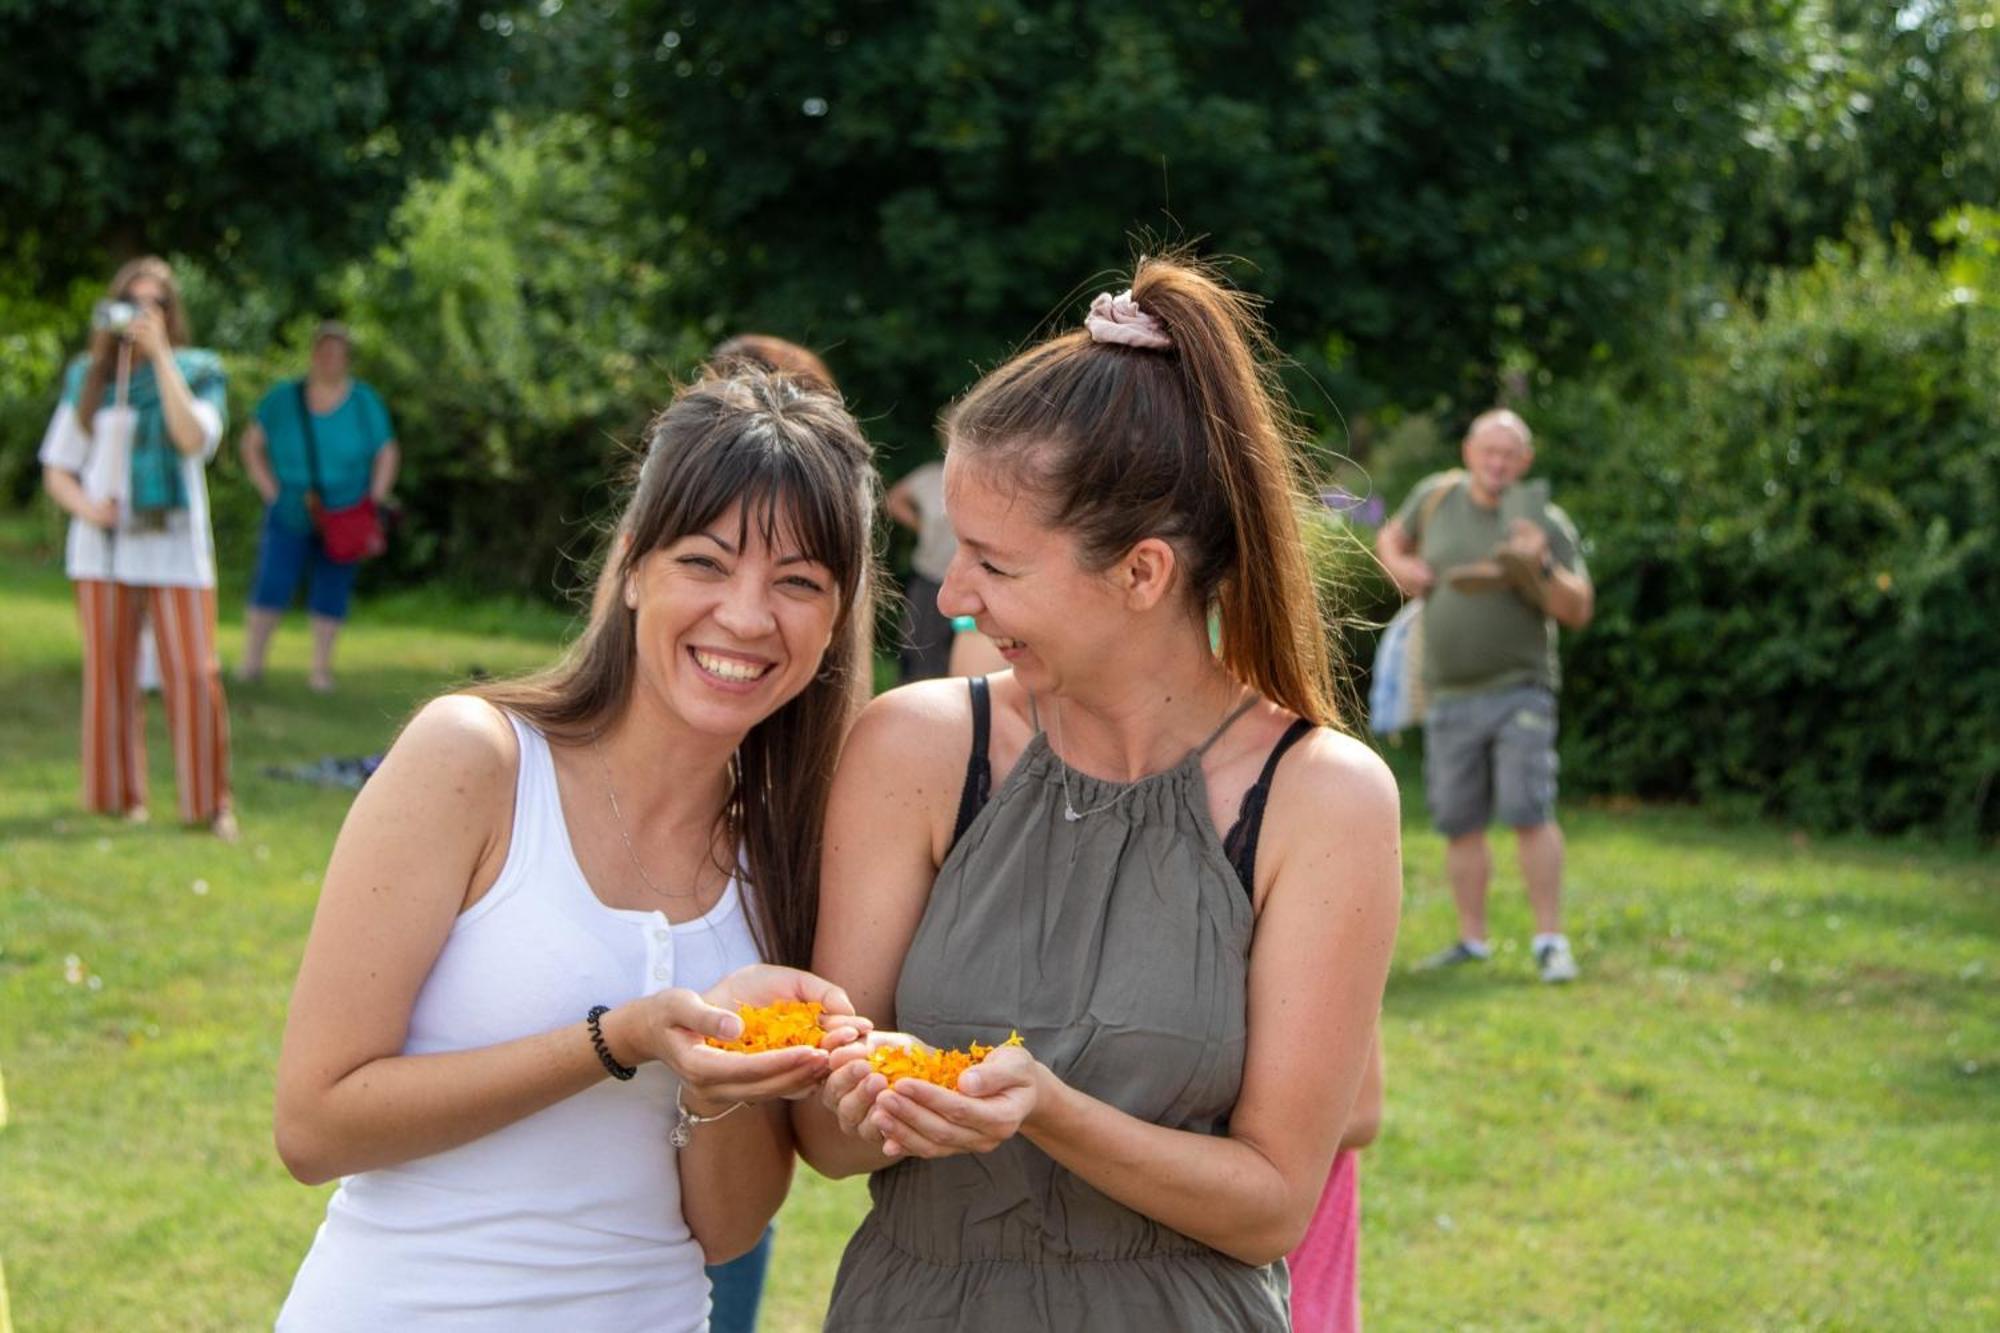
1556,961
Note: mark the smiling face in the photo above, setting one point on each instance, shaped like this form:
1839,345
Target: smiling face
1053,620
1496,457
732,621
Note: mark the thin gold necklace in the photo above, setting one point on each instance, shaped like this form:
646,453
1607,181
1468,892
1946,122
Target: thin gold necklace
619,817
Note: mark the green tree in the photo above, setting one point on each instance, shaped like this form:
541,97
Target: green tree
1420,189
267,139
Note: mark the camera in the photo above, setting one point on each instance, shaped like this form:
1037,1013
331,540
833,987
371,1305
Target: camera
113,316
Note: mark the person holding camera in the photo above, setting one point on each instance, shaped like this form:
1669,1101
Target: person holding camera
320,446
141,415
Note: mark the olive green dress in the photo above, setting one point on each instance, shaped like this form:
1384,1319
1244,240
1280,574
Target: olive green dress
1118,944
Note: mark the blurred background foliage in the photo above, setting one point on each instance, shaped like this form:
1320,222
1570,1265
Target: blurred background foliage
1734,259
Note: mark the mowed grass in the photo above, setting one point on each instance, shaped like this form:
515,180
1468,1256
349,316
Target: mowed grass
1773,1101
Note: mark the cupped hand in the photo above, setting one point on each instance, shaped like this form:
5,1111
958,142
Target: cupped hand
102,513
913,1118
993,1100
852,1085
673,1026
767,983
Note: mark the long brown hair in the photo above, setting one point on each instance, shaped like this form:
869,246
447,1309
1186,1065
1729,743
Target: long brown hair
1192,444
104,344
789,451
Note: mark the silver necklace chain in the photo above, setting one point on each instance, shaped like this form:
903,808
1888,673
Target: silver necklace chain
1070,813
619,817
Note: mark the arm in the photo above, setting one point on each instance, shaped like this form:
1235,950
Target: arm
1398,552
1567,594
424,839
1317,970
255,449
893,800
382,478
67,491
1365,1120
1570,598
184,426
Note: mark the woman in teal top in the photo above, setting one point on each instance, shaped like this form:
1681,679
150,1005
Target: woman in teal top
357,459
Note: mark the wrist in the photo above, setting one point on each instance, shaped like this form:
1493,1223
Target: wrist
619,1038
702,1105
1047,1107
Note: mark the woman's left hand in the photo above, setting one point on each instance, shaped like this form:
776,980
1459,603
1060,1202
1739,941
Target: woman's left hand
994,1099
148,332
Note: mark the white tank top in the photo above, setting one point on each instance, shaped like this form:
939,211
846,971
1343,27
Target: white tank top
571,1218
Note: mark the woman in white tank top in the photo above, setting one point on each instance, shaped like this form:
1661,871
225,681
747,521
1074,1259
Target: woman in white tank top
555,889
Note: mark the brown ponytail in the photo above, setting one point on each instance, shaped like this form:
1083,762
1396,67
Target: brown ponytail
1191,444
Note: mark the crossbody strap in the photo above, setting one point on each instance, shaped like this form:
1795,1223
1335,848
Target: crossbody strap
318,493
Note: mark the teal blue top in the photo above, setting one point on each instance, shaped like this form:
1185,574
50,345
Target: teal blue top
348,437
155,483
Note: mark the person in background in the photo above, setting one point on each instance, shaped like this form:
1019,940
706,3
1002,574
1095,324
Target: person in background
1326,1265
917,502
972,653
1499,569
357,457
141,415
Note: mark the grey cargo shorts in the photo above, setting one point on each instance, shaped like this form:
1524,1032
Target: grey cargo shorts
1491,755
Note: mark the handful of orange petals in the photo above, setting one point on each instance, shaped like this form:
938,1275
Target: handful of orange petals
775,1027
897,1063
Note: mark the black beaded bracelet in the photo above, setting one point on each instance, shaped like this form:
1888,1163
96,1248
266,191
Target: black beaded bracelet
618,1071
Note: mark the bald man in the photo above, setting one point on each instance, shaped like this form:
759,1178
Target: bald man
1512,571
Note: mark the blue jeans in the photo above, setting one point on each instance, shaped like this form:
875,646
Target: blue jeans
738,1286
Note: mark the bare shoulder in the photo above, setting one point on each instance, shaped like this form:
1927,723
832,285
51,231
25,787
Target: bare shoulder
914,726
1334,802
1338,776
458,746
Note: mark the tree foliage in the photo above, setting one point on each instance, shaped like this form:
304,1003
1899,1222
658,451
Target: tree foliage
1796,553
263,139
1419,189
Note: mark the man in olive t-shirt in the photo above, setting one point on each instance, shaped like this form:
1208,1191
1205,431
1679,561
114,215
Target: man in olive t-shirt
1499,568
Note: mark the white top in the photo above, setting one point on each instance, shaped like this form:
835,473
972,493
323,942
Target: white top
936,542
179,555
569,1219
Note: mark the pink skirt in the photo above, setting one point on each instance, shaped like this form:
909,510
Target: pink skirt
1326,1268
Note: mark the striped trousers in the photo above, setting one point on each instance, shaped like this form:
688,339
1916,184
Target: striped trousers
114,722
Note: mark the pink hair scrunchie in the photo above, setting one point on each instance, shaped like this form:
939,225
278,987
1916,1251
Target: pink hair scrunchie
1118,319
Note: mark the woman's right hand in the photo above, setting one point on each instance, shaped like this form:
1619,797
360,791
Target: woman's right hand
100,513
673,1026
1414,575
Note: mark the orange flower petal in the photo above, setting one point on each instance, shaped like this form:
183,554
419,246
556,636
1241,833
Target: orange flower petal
775,1027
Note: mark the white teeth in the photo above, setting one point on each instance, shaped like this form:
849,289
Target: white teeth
726,668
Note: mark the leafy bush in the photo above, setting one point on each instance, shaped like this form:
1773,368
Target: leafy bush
1794,547
512,326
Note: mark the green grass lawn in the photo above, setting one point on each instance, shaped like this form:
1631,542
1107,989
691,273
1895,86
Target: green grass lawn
1773,1101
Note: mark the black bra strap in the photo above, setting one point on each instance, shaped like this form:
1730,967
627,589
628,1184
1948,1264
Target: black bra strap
1241,844
978,769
